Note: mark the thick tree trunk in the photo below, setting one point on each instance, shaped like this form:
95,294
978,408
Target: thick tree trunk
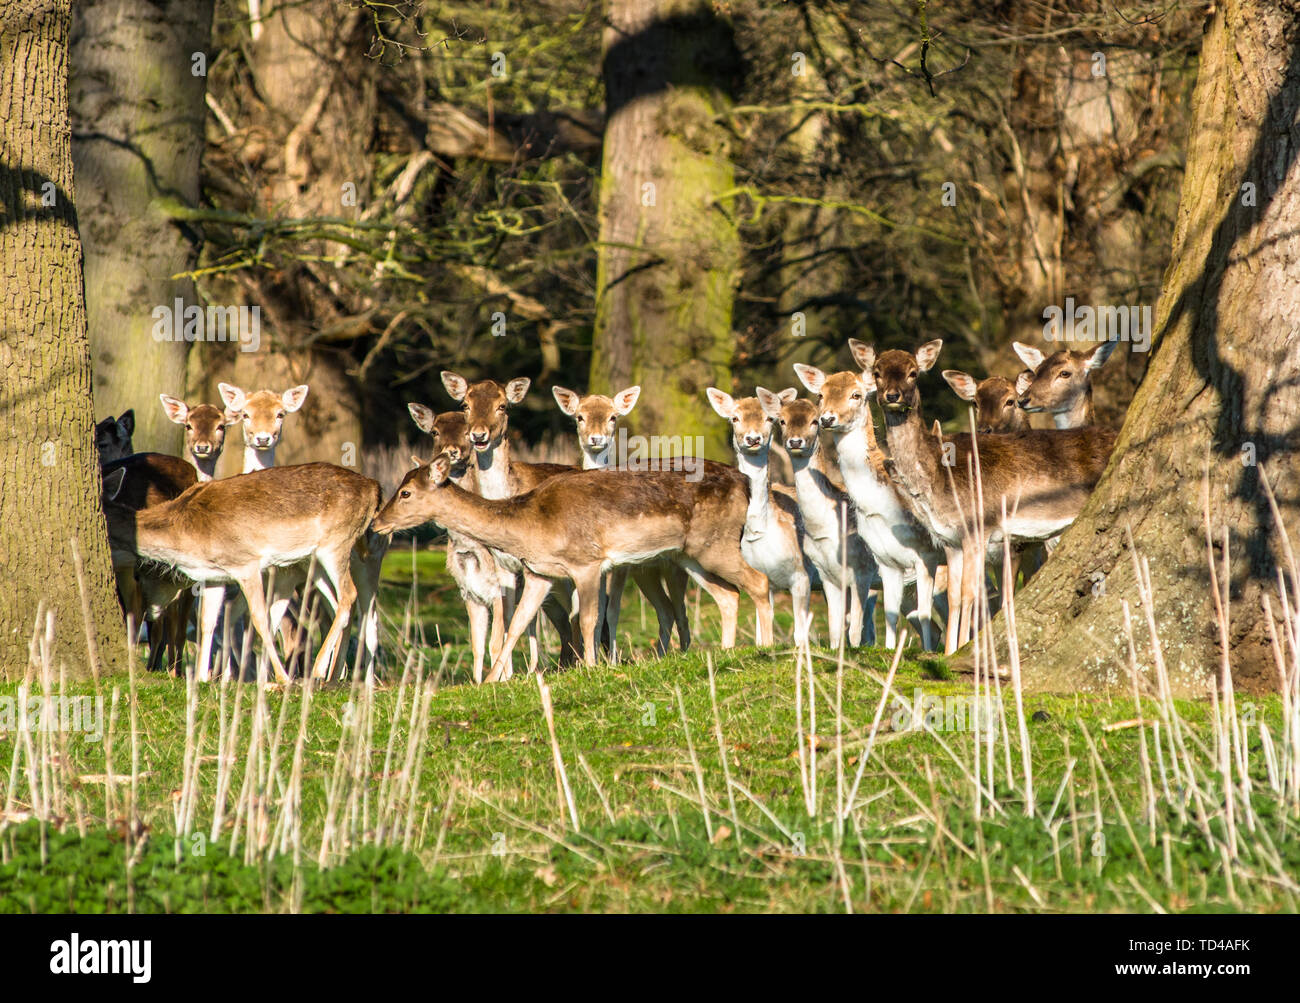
669,254
138,133
1221,397
49,473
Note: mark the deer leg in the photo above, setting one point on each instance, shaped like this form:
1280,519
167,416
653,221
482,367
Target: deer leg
972,567
955,568
588,583
478,630
251,585
647,579
835,611
530,601
891,586
675,580
211,599
801,602
616,582
335,569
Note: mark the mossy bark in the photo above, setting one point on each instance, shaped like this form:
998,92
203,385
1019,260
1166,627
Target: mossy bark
669,255
49,471
138,132
1220,399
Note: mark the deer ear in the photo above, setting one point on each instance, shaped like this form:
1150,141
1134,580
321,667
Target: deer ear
232,396
422,416
928,354
625,400
293,399
439,469
962,384
567,400
811,377
936,429
177,410
456,385
1029,355
127,420
1095,360
769,402
517,389
113,482
1023,380
868,381
788,395
416,462
863,354
722,402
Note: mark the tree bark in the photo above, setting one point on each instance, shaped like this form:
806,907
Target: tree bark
1220,399
138,134
49,472
669,253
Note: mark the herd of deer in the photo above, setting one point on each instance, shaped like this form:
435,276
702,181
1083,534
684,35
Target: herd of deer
931,505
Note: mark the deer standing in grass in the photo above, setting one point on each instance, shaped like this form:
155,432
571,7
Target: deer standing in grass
158,597
830,541
579,526
663,583
476,572
958,486
262,416
900,544
772,541
1061,383
234,529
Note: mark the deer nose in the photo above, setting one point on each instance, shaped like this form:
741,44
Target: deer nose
794,443
596,440
828,419
261,441
479,437
202,449
892,396
753,439
1024,401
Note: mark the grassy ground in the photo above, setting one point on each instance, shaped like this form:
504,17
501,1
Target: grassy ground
441,796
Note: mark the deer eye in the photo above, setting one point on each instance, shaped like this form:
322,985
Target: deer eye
857,395
1064,374
404,494
279,415
501,407
189,427
912,375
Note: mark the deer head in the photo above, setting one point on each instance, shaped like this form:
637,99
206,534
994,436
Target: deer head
596,417
994,398
1061,383
113,436
262,413
486,405
841,397
205,426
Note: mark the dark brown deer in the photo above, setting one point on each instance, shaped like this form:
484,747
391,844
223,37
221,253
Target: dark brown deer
996,409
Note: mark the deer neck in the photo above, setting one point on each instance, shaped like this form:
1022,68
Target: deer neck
258,459
863,471
818,499
759,514
492,470
494,522
597,461
207,466
916,455
1080,414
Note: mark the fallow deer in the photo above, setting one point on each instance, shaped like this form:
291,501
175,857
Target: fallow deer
1061,383
159,598
578,526
205,432
476,573
831,540
234,529
262,414
773,537
1043,477
663,582
900,544
113,436
996,409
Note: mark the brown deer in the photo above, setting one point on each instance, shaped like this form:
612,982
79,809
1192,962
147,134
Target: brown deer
232,530
901,546
262,414
1061,383
773,537
996,410
830,542
159,598
663,582
578,526
1043,477
113,436
471,565
205,432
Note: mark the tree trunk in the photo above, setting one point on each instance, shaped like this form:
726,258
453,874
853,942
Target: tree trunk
1221,398
669,253
49,473
138,133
